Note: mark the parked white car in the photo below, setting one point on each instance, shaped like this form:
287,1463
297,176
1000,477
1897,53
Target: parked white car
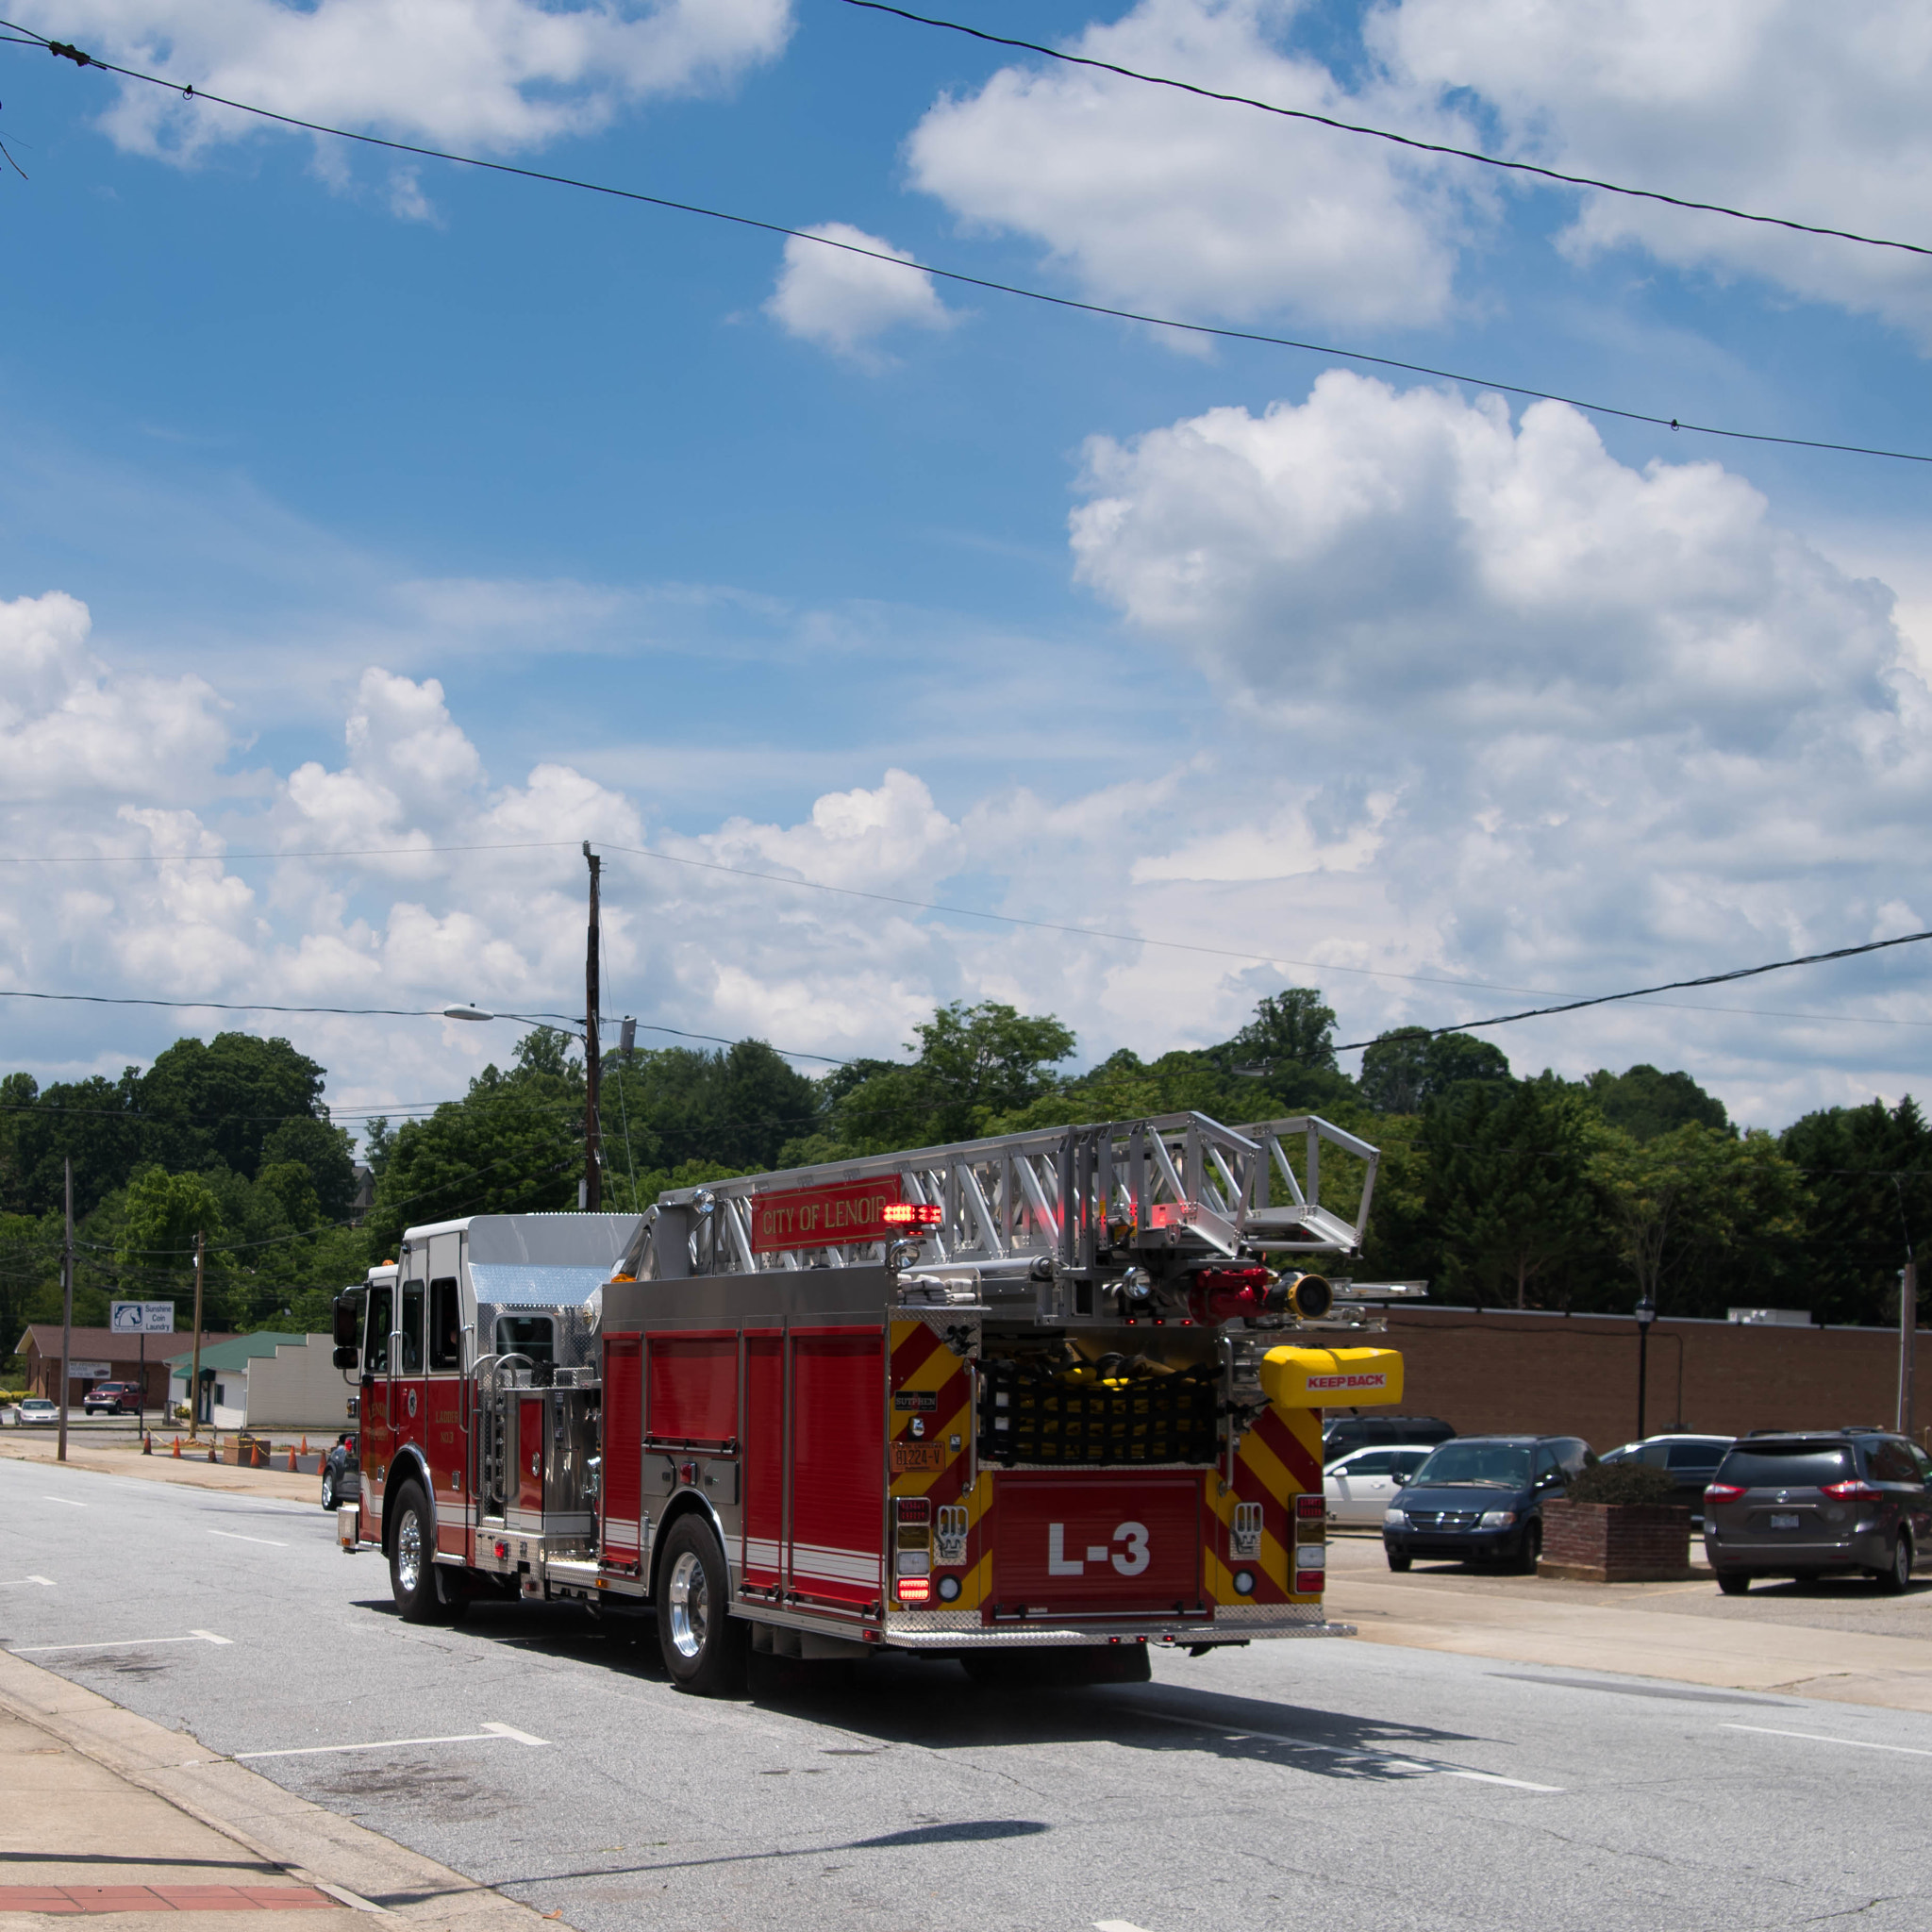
1358,1487
35,1410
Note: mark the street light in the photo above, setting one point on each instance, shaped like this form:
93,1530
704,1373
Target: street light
1646,1314
466,1013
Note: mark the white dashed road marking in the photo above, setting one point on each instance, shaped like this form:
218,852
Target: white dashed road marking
490,1734
1818,1738
122,1644
236,1537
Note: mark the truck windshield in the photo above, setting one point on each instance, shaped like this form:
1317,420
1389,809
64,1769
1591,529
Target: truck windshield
376,1356
1503,1464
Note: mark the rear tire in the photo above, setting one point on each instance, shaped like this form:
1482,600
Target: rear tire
706,1649
1896,1577
1734,1582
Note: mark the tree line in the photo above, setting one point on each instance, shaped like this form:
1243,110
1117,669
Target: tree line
1499,1190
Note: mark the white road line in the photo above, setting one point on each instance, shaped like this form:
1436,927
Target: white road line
1818,1738
1115,1925
122,1644
236,1537
1386,1758
490,1734
67,1500
511,1732
22,1582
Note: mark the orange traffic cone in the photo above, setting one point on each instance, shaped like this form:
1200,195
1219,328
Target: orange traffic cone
305,1445
147,1443
177,1448
291,1459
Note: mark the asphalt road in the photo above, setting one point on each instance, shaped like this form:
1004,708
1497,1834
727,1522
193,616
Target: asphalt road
1333,1785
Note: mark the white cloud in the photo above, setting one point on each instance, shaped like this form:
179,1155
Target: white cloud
1599,721
844,302
1779,106
1155,200
497,74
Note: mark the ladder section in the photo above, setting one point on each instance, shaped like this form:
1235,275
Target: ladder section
1059,1196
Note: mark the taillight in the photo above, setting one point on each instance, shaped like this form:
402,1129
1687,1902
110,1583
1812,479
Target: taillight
1309,1504
1722,1492
1853,1489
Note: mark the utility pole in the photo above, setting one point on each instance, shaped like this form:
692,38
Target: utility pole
1907,1338
194,1373
66,1308
594,1069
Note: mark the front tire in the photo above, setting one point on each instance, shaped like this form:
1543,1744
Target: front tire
413,1559
1532,1549
328,1489
1399,1561
707,1651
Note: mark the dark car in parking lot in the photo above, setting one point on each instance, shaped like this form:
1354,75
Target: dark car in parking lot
1344,1433
1819,1503
112,1398
1689,1460
1481,1498
341,1473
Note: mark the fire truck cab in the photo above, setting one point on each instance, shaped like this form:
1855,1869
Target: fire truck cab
1035,1402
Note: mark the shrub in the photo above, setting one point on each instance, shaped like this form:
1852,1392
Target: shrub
1623,1482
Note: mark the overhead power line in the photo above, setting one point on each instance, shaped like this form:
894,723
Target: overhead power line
1910,939
958,276
1409,141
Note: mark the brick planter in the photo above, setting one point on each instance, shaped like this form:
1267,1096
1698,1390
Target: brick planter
1615,1542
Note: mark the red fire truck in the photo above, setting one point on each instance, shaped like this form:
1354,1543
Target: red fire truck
1035,1402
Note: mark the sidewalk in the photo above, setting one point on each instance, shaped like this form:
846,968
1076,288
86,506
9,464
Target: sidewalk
1843,1643
106,1812
121,1458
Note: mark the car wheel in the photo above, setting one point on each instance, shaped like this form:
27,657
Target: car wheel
1734,1582
1399,1561
328,1489
1532,1549
1896,1577
706,1649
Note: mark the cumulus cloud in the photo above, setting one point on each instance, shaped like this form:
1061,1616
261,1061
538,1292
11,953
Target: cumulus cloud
1153,199
844,302
1578,717
498,75
1775,106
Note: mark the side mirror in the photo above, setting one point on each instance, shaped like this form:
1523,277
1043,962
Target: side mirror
347,1354
1397,1477
348,1324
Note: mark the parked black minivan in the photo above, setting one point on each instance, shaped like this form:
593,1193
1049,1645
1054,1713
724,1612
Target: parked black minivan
1481,1498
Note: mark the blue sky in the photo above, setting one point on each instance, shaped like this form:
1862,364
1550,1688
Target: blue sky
350,503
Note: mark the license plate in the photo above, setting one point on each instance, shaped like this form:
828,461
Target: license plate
1780,1522
911,1459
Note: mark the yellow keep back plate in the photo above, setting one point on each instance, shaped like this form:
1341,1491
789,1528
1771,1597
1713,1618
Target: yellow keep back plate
1332,1377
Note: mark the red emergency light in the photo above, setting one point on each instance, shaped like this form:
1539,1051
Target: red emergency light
913,1214
913,1590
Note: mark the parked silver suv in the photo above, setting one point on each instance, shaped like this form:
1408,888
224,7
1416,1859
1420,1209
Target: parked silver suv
1823,1501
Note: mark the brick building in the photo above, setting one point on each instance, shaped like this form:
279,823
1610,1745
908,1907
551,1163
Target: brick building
98,1354
1495,1370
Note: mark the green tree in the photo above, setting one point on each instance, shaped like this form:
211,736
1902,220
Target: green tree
1406,1069
1646,1103
512,1144
323,1152
735,1110
1869,1170
161,1215
1510,1195
224,1099
974,1065
91,1123
1701,1216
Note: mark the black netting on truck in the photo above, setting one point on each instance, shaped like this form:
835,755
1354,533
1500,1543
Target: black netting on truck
1120,1408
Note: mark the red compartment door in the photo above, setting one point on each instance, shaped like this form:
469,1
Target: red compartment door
838,1463
624,1468
1092,1545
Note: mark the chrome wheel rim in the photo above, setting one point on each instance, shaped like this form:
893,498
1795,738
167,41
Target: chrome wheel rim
409,1553
690,1603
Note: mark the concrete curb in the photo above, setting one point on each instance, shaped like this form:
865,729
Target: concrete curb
312,1845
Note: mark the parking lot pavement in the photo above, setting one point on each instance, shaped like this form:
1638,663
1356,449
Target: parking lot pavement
1839,1639
1361,1787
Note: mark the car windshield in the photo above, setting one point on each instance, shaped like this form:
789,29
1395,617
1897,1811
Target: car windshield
1786,1466
1506,1465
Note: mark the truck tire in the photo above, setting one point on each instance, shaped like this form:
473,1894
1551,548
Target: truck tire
413,1559
707,1650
